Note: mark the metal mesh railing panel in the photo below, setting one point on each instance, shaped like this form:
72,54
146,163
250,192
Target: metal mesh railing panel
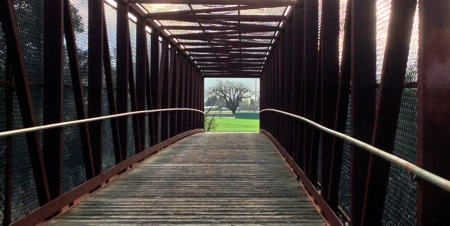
108,144
3,147
74,172
400,204
383,15
80,19
131,146
24,198
29,14
344,184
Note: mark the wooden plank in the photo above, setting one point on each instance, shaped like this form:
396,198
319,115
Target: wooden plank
204,179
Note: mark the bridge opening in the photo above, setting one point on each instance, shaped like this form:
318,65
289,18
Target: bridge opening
232,104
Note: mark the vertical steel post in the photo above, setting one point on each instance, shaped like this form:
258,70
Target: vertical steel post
297,61
434,109
310,72
388,107
163,88
363,64
123,38
154,84
95,79
53,93
330,78
341,113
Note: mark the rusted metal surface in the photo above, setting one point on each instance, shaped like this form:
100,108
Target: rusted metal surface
310,73
363,69
330,82
163,88
95,80
297,63
341,113
388,107
433,109
53,93
48,210
122,43
203,179
154,82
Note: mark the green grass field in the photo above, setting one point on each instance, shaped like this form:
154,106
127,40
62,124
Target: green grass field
236,125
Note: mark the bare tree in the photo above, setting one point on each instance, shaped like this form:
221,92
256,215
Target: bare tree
231,92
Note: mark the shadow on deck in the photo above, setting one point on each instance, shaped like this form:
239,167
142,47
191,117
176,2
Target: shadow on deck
229,178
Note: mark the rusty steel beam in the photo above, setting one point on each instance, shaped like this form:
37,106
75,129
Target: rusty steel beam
18,69
330,82
221,37
388,107
341,113
77,87
154,84
215,43
254,28
163,87
207,10
174,129
363,75
95,80
259,18
53,93
433,109
310,72
217,2
297,64
170,89
123,38
141,76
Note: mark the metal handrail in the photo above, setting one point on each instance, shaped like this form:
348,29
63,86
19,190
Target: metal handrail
74,122
410,167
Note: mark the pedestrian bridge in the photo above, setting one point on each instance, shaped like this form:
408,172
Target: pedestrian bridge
101,112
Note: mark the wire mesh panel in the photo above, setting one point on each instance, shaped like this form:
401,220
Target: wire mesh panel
400,204
80,18
108,144
131,144
3,148
383,15
3,141
147,117
24,197
344,184
73,162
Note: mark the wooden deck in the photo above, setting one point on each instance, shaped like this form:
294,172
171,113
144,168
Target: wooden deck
211,178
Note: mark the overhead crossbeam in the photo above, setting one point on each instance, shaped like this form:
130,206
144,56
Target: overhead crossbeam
219,2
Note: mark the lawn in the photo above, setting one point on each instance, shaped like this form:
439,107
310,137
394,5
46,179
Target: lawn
236,125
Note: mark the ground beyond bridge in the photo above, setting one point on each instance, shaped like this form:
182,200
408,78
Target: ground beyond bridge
224,178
